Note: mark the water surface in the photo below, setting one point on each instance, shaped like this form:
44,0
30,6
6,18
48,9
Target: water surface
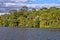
28,34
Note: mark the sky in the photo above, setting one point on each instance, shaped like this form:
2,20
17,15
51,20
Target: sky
31,3
16,4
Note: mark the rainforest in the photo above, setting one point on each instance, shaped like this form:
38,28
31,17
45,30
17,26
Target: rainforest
26,18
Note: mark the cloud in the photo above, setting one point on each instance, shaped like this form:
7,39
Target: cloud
23,0
9,4
31,5
43,5
17,0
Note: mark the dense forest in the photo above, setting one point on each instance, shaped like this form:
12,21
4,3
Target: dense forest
26,18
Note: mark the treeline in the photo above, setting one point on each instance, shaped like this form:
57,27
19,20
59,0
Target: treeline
25,18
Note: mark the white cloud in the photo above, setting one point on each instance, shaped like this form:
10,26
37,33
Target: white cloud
31,5
9,4
23,0
17,0
20,0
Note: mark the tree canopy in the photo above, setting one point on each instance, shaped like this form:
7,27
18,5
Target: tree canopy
25,18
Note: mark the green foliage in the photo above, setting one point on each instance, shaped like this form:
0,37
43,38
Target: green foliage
24,18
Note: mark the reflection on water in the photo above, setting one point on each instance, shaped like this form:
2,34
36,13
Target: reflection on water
28,34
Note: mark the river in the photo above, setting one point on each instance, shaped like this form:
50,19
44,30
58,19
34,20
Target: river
7,33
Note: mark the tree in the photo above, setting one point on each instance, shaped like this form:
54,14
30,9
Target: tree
24,11
25,18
